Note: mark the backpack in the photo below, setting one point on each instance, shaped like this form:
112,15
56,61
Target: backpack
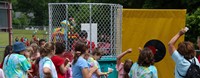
193,71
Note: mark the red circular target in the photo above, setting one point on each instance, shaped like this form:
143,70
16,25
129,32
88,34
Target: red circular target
158,49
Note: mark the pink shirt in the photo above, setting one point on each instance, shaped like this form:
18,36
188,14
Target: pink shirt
120,70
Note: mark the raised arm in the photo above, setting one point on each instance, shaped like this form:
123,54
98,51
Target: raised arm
172,42
122,54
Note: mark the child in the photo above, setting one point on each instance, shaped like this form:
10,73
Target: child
123,68
144,67
96,55
46,66
58,60
80,66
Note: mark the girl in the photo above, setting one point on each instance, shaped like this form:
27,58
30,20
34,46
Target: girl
80,67
144,67
123,68
96,55
46,66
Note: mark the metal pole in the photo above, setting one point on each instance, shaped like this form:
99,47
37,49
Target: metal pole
9,21
50,21
90,28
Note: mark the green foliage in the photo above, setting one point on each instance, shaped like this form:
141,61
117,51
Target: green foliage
193,22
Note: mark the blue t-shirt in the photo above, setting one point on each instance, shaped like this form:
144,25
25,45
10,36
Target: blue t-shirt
182,64
143,72
80,64
16,66
46,62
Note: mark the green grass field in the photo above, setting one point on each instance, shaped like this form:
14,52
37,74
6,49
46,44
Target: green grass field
4,39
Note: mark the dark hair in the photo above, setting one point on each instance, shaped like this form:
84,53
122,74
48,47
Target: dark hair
127,66
7,51
41,40
60,47
44,51
146,57
81,47
186,49
83,33
97,52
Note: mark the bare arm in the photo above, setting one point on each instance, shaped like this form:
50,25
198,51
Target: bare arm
47,72
172,42
64,67
88,73
122,54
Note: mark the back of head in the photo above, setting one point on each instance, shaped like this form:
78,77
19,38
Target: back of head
60,47
47,49
146,57
127,66
97,52
40,41
186,49
79,47
7,50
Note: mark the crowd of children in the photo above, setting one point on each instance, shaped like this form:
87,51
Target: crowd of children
49,60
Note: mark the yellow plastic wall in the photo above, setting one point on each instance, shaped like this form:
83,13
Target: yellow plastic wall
142,25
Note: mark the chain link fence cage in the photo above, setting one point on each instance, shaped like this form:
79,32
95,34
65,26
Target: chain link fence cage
99,23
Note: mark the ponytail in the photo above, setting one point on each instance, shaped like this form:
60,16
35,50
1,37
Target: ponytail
47,49
80,48
76,56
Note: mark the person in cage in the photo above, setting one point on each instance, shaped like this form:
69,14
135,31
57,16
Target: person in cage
83,38
123,68
80,66
144,67
182,54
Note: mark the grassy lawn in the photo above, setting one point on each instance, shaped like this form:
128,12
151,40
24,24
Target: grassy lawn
4,39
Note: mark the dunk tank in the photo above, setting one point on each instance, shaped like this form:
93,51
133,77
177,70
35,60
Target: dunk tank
151,28
102,22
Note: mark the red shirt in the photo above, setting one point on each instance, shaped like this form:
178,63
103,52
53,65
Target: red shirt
58,61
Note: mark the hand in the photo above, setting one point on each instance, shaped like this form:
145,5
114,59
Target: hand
66,61
129,50
110,70
140,49
182,31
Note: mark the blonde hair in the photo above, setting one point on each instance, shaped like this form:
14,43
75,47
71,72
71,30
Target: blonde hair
47,49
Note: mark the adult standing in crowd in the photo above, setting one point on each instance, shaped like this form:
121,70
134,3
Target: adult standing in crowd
16,64
182,55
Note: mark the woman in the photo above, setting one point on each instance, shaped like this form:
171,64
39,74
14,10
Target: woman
182,54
